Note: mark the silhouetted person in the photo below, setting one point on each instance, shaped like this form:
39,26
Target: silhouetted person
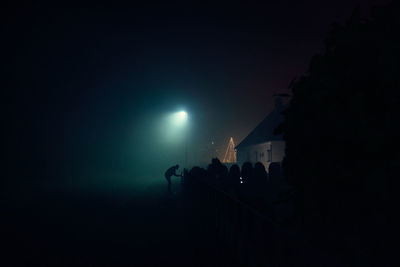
254,185
275,173
197,172
233,181
185,175
246,180
259,186
171,172
196,176
217,171
260,174
223,176
247,172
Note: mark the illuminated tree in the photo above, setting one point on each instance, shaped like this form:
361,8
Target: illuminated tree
230,154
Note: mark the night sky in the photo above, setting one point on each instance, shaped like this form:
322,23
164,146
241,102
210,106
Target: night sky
87,88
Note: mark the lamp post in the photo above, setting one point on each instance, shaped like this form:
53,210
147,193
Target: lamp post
186,152
180,119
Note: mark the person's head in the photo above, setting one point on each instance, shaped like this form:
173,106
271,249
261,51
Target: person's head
259,171
216,162
176,166
247,170
234,171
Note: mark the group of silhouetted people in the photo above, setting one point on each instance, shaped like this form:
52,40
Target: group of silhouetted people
248,175
251,184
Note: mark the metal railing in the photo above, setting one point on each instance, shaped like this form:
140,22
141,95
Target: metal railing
243,234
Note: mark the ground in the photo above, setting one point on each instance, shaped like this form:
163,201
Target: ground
61,227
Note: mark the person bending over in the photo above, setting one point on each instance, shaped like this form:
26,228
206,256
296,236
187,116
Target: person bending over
171,172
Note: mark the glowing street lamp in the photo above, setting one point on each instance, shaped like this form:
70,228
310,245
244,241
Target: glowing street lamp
180,118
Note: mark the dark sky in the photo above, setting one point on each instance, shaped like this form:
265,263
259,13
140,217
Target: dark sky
90,84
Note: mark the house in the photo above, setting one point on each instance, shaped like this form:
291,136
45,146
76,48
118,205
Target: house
262,145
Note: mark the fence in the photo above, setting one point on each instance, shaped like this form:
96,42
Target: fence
243,235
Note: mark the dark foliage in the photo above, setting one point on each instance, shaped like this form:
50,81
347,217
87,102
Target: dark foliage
342,127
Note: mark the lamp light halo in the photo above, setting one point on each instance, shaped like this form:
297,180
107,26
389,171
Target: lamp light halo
180,118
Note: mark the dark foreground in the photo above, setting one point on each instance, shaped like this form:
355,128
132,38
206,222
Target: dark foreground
196,226
80,228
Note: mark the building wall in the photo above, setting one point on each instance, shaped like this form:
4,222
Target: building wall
267,152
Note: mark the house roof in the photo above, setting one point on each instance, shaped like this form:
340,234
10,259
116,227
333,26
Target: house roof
264,131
